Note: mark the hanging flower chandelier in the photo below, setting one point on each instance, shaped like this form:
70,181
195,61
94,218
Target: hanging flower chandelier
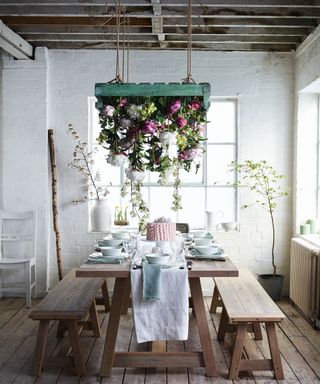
153,127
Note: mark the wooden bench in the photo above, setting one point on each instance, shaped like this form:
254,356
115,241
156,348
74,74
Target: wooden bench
72,303
245,305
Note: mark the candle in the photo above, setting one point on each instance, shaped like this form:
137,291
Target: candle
305,229
313,225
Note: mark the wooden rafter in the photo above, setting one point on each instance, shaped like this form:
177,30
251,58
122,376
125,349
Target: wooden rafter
267,25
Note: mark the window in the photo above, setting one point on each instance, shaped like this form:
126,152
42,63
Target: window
208,190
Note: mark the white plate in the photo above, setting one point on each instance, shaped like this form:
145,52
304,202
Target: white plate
99,255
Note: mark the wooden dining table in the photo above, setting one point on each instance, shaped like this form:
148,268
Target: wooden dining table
158,358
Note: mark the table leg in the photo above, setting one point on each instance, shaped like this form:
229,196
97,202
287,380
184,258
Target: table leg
159,346
205,338
121,286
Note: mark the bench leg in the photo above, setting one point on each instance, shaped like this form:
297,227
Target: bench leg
237,352
61,329
274,350
257,331
94,320
223,325
40,347
74,341
216,301
105,296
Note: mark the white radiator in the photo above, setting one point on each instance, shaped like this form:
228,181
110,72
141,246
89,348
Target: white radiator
305,278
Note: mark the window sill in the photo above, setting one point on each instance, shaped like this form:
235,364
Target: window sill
312,239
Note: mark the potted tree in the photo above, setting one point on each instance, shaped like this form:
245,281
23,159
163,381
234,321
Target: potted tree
264,180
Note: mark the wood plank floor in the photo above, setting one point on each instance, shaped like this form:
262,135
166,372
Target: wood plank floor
299,344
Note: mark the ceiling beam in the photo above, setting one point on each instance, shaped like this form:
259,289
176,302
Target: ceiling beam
218,39
143,22
157,22
166,11
176,46
14,44
174,3
25,30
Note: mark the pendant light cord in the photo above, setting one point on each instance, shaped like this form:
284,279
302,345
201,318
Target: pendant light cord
189,78
117,79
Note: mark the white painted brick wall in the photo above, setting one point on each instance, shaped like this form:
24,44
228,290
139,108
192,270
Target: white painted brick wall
263,82
24,146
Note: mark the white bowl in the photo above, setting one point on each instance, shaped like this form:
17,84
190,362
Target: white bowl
202,240
120,235
110,242
111,251
153,258
206,249
230,226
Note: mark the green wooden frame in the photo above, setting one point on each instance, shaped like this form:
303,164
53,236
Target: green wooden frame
103,90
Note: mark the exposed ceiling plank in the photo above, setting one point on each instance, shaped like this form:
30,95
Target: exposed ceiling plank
14,44
62,29
101,21
181,3
148,11
85,37
172,38
241,22
172,45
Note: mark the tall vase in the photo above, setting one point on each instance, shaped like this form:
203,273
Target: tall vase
100,215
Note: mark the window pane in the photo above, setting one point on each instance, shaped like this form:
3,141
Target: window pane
109,173
192,176
222,199
218,158
161,202
222,122
193,206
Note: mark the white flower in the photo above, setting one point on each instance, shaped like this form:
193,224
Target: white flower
108,110
116,159
134,175
167,138
134,111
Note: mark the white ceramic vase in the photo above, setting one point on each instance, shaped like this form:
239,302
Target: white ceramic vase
100,215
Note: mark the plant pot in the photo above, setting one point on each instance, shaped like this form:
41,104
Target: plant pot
100,215
272,284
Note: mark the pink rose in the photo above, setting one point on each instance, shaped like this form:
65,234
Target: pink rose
174,106
194,105
188,154
149,126
181,122
123,102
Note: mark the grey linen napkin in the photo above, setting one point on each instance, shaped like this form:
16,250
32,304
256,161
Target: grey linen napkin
151,282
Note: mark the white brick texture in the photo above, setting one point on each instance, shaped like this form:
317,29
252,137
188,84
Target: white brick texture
52,92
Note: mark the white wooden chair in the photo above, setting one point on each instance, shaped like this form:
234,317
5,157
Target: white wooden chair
18,251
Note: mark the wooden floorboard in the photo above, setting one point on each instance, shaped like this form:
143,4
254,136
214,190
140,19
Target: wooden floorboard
299,344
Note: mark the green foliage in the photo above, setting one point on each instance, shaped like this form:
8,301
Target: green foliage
142,131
